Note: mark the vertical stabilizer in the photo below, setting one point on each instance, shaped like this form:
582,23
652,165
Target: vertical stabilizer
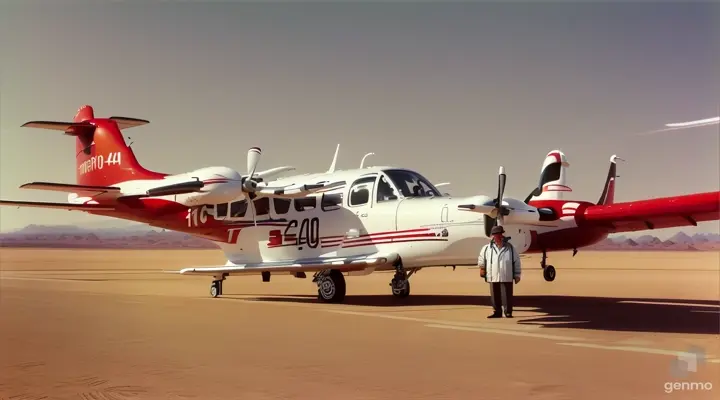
608,193
102,158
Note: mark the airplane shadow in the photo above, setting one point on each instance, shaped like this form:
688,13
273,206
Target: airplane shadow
579,312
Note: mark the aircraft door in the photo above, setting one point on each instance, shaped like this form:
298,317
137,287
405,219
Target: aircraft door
372,217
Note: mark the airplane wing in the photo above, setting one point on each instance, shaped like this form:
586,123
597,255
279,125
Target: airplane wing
666,212
491,212
68,188
59,206
342,263
291,191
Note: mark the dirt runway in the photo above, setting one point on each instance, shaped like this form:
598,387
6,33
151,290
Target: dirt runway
82,324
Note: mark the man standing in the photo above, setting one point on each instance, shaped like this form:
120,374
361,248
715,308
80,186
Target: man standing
500,265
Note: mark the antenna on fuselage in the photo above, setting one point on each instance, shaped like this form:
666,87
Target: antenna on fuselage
362,162
334,161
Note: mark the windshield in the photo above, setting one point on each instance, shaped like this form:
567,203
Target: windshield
412,184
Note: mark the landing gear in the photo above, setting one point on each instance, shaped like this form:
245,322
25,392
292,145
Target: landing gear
548,270
549,273
400,287
331,286
400,283
216,288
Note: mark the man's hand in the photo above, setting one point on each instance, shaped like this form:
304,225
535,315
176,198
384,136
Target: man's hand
483,272
517,279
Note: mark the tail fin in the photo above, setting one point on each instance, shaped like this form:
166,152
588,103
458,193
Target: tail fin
608,194
102,156
553,178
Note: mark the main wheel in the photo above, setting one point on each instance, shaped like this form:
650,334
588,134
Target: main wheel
400,287
332,287
215,289
549,273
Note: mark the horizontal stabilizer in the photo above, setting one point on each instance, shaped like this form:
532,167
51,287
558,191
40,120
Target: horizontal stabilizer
344,264
126,122
69,188
177,188
57,206
70,128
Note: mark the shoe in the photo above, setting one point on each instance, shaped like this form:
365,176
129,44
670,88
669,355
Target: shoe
508,315
495,315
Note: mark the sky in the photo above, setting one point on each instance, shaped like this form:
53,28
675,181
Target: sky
452,90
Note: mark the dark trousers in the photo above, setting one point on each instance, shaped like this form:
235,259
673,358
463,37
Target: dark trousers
502,292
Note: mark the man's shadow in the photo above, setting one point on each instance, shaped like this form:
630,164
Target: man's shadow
579,312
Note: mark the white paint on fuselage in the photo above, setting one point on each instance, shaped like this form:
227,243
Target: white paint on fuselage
460,234
463,237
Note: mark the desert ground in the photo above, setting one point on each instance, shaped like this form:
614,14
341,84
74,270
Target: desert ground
111,325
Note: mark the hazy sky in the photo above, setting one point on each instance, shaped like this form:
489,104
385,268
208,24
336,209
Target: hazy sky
452,90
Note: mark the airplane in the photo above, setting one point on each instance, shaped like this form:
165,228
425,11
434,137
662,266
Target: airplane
343,222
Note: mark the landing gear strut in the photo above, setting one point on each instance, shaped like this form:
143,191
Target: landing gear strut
548,270
400,283
331,286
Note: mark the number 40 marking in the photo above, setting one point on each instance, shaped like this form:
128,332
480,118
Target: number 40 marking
114,158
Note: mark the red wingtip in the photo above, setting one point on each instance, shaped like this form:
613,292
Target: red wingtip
84,113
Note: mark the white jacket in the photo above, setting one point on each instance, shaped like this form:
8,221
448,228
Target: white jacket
502,263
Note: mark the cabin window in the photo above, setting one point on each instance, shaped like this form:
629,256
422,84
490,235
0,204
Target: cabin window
305,203
238,209
262,206
221,211
331,201
360,191
282,206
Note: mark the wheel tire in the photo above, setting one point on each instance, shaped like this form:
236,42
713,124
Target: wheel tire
332,288
549,273
402,290
214,289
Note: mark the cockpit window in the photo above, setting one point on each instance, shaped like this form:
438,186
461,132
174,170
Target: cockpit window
412,184
385,192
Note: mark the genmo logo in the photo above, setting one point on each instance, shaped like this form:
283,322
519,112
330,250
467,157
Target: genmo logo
686,363
681,386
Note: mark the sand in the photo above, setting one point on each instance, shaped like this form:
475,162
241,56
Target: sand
94,324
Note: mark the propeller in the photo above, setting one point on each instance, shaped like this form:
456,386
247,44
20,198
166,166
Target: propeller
500,210
253,159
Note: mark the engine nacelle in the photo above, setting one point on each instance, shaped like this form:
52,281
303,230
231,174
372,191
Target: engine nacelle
222,185
519,237
520,212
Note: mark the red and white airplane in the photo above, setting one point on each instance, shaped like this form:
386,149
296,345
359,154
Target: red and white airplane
342,222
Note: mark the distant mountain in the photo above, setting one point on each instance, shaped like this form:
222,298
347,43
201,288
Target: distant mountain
680,241
139,236
130,237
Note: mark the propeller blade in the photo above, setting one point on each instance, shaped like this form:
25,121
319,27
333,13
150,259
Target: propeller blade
502,178
501,185
490,211
253,158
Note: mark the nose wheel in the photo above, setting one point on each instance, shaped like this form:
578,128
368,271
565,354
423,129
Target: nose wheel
548,270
